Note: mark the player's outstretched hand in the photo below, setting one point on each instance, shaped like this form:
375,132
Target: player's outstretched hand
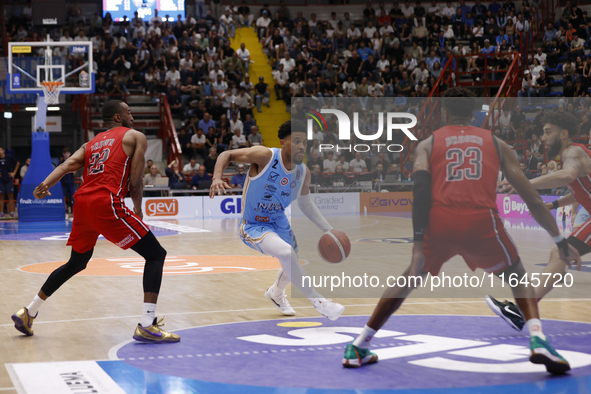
218,186
573,256
41,191
505,186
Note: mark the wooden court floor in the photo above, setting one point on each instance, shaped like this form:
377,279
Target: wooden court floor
90,314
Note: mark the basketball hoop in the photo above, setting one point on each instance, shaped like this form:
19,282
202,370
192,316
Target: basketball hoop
51,90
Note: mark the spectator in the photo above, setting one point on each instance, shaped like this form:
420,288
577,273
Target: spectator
255,138
210,161
281,83
8,168
200,176
248,123
338,179
316,176
262,93
25,167
329,163
379,175
239,179
236,123
238,139
176,180
206,122
314,159
530,160
358,164
150,178
198,142
191,168
343,162
149,164
541,86
393,170
526,171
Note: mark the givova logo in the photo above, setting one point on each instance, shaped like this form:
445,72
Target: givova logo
344,123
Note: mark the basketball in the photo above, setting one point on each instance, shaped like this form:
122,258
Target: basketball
334,247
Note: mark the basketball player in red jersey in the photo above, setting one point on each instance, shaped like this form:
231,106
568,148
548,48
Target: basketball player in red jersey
455,213
113,163
559,128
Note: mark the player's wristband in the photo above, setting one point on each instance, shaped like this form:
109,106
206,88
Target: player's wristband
559,238
563,245
555,204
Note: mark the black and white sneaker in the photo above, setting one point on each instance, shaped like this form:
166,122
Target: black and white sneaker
508,311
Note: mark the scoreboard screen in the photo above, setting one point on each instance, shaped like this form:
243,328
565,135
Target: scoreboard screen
49,12
145,8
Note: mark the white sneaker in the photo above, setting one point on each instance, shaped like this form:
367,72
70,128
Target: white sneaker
280,302
327,308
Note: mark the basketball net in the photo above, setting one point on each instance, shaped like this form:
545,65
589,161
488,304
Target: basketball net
51,91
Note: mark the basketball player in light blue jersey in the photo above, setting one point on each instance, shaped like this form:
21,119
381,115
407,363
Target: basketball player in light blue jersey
276,178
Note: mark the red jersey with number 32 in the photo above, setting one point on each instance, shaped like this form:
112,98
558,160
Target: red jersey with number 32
464,168
106,165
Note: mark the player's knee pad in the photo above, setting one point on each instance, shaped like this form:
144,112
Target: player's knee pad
78,261
515,268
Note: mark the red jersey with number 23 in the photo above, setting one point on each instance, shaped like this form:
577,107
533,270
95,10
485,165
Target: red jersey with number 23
464,169
106,166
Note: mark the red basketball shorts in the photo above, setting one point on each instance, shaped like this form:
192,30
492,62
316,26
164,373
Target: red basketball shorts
106,214
478,236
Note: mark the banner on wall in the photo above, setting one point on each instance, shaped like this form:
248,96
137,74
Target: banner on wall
229,206
385,202
512,206
170,207
332,203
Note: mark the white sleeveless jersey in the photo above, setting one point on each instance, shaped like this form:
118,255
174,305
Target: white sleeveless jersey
267,195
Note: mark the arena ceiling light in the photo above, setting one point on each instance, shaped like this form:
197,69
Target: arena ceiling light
30,109
53,108
7,115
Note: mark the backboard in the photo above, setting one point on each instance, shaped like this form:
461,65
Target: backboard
70,62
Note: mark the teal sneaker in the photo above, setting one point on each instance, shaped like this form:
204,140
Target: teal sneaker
543,353
355,356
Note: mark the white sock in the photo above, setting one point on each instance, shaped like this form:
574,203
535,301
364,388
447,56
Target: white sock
535,328
149,314
365,337
34,306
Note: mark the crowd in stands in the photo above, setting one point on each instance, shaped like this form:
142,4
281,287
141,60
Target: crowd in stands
389,50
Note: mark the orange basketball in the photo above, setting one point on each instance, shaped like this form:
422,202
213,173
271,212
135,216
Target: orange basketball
334,247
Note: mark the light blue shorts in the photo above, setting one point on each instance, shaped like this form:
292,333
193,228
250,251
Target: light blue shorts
582,216
253,233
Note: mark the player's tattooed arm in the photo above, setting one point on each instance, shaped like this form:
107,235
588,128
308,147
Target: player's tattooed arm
72,164
572,168
516,177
